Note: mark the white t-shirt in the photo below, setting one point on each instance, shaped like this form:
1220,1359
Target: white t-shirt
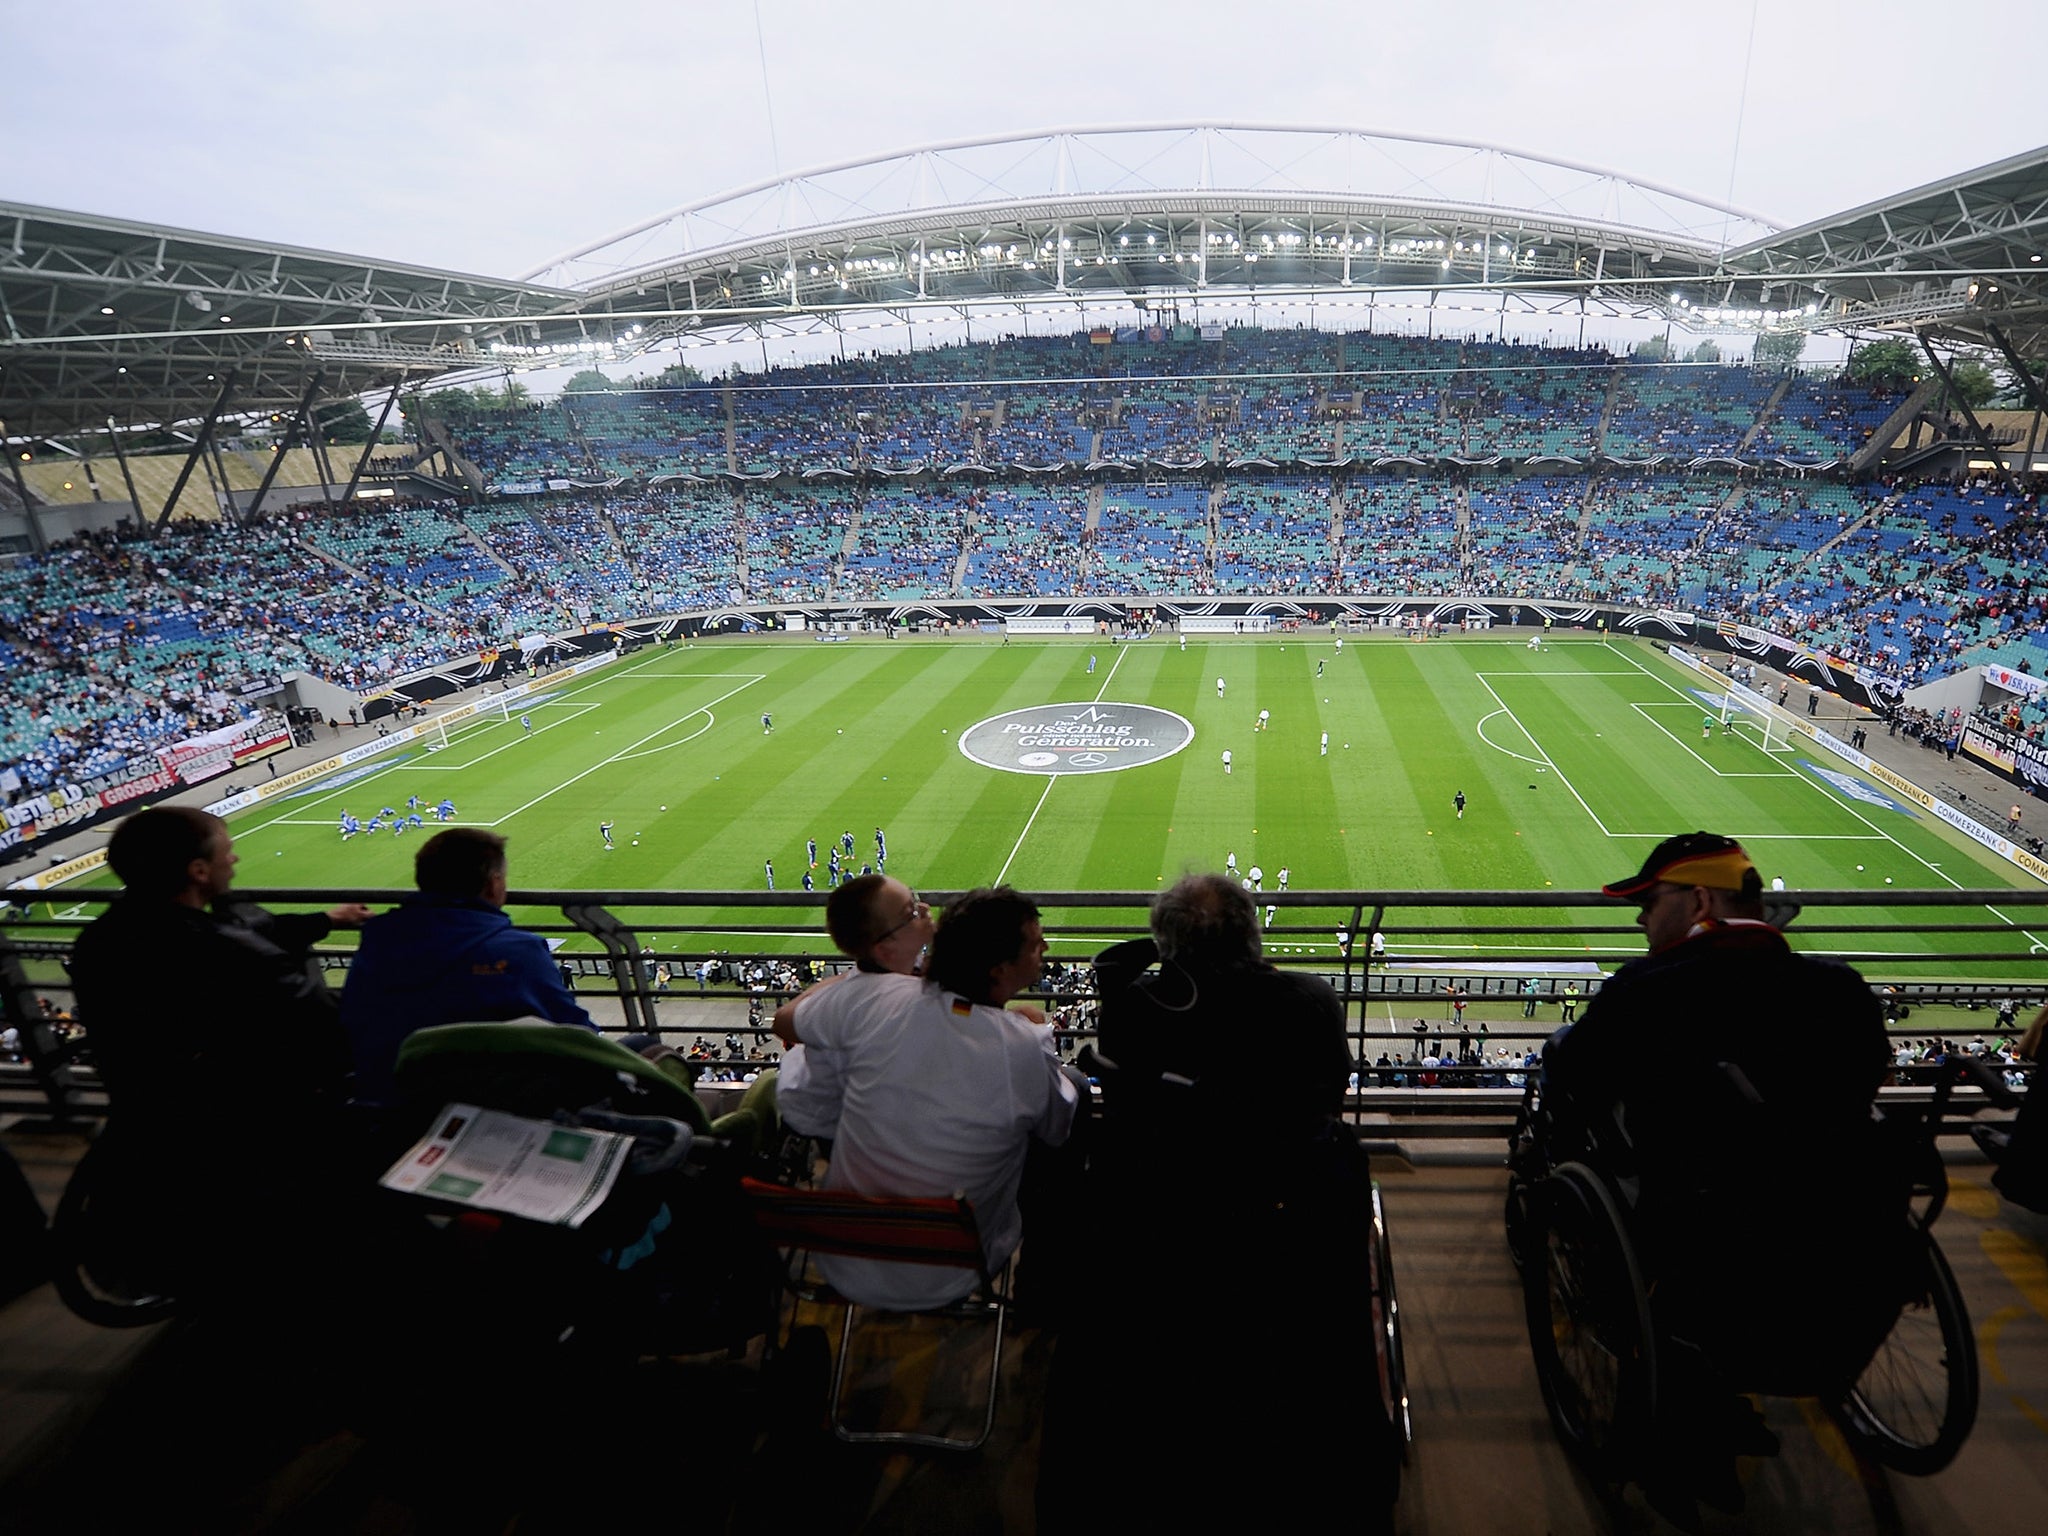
937,1095
809,1087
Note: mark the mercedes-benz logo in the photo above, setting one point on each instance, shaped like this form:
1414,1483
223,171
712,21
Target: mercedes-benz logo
1087,759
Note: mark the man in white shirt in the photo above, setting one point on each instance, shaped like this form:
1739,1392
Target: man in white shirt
941,1087
881,925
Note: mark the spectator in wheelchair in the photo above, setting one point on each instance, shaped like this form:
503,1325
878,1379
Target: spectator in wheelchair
1178,1003
1231,1245
1698,1076
883,926
191,999
447,955
941,1087
202,1012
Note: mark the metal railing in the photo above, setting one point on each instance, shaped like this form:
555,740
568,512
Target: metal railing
1445,985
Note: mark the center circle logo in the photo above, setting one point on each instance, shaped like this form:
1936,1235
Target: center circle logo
1076,738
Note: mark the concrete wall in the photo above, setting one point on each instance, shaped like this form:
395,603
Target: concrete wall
306,690
1961,691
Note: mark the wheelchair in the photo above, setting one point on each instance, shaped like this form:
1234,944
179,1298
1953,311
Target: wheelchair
1291,1229
107,1266
1891,1359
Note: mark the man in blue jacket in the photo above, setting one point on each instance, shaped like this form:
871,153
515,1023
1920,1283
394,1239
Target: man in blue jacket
448,955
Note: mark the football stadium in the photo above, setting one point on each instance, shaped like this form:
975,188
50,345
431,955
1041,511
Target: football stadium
1423,563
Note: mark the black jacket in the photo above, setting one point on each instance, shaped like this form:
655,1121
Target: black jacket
185,1008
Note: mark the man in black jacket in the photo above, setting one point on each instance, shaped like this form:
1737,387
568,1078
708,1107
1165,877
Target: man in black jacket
1185,1003
1719,985
222,1054
192,1002
1732,1082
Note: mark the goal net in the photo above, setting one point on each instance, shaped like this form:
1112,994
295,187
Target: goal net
1750,715
498,710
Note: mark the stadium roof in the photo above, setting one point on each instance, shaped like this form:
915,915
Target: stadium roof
106,318
1958,258
1157,210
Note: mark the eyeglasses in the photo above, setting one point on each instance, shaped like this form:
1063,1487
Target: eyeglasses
918,908
1650,899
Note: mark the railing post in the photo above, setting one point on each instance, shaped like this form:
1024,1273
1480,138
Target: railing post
622,949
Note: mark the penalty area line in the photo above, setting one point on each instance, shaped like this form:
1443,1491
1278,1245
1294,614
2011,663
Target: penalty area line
1530,737
621,755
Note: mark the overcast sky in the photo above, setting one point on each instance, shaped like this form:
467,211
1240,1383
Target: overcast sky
489,137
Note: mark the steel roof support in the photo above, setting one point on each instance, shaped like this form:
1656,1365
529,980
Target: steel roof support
127,477
28,510
1976,427
291,434
219,469
319,447
376,435
2030,385
198,452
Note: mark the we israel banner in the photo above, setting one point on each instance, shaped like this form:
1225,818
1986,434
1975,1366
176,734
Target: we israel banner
2011,681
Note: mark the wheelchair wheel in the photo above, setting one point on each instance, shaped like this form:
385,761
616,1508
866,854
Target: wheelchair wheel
1516,1220
1386,1318
1527,1166
1589,1319
90,1264
1916,1402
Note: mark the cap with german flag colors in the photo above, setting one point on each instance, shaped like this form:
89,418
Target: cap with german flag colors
1692,858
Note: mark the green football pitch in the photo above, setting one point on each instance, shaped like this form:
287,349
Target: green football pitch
1574,760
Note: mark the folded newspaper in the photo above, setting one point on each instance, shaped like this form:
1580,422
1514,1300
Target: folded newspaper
497,1162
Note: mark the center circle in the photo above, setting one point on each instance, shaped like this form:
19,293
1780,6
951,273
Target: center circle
1056,739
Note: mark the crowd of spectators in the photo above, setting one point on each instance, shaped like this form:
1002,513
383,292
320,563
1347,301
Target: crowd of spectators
113,645
1281,396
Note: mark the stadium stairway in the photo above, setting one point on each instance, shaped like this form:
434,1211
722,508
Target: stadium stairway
1864,459
1763,416
477,541
1852,530
1607,406
1587,502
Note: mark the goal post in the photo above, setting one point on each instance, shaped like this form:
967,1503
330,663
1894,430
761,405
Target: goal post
1747,713
494,710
